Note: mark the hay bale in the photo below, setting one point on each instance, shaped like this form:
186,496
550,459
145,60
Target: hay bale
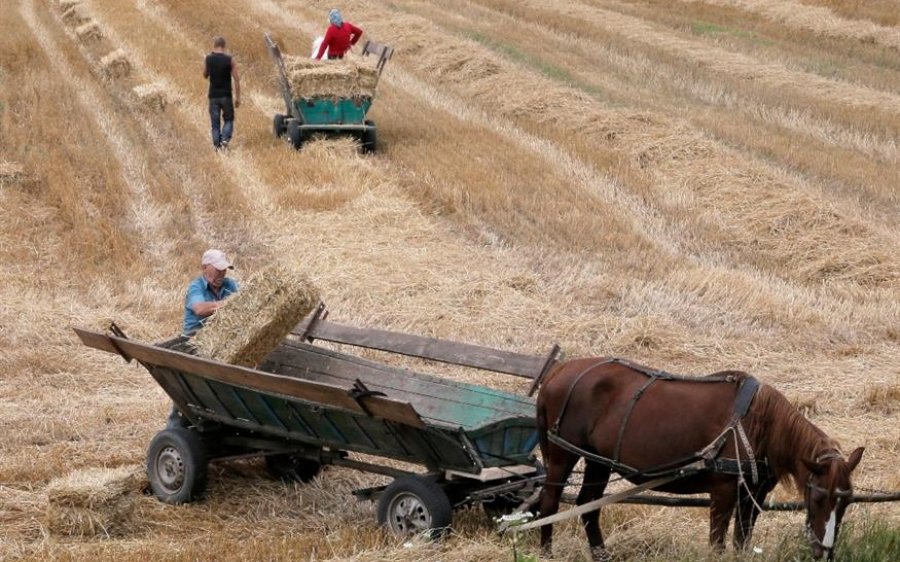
76,15
151,96
258,317
95,501
89,32
346,78
116,64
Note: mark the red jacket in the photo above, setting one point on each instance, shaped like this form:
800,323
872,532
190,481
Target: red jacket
338,40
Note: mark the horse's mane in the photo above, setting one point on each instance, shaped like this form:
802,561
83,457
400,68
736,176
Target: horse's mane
783,435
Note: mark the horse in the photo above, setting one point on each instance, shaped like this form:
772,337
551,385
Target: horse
725,434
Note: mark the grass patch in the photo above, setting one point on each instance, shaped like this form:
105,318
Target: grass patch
551,71
709,28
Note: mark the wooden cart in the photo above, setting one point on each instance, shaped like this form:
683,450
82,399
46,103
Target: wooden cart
308,406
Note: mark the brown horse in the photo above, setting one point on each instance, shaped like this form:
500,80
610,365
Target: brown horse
744,436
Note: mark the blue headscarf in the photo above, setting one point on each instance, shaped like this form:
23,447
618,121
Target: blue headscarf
334,16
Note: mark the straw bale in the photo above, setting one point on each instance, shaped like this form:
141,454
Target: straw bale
89,32
311,79
151,96
258,318
116,64
76,15
94,501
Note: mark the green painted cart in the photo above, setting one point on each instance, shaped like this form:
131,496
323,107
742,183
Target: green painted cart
308,406
304,118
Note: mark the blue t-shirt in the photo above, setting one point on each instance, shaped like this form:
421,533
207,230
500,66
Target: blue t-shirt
200,291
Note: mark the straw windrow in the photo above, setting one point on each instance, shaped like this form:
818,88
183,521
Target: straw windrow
258,318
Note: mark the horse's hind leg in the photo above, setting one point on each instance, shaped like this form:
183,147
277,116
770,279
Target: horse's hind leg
559,464
596,476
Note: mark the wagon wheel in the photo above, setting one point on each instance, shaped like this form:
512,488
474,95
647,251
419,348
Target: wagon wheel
279,127
176,465
369,138
292,468
413,505
296,135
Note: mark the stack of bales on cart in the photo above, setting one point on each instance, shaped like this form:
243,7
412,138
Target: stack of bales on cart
94,501
350,77
258,318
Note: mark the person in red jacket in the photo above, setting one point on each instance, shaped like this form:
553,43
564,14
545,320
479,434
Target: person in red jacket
340,36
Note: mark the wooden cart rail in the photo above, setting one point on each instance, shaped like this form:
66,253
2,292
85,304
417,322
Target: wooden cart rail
379,406
316,327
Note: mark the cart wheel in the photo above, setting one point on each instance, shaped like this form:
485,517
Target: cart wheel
176,465
296,135
369,138
292,468
413,505
278,125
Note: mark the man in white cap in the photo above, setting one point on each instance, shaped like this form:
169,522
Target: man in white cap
209,292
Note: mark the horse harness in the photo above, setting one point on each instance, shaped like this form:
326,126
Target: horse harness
707,457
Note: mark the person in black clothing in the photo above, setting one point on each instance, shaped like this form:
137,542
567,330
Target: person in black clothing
221,69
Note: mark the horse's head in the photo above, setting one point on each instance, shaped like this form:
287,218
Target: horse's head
828,492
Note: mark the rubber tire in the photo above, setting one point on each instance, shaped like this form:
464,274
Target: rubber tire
369,139
279,127
292,468
430,506
295,134
176,465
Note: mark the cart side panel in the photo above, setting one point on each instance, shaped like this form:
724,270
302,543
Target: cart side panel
313,423
336,111
506,442
438,400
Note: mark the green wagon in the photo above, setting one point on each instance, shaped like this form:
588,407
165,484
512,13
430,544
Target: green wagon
304,117
307,406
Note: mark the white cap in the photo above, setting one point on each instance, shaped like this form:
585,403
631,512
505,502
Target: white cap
217,259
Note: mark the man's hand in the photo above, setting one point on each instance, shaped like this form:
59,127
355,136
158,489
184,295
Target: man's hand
237,102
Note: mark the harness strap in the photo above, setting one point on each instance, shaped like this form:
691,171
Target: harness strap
555,427
707,456
653,378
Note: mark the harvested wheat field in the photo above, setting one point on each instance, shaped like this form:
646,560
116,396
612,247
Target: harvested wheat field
710,187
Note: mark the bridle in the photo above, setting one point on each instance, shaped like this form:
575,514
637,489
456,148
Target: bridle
839,494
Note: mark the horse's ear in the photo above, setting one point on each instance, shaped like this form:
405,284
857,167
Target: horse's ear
814,467
855,457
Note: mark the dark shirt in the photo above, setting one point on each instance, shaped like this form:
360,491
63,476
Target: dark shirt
218,68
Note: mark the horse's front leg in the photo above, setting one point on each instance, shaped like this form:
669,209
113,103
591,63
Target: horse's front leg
747,512
722,498
559,465
596,476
